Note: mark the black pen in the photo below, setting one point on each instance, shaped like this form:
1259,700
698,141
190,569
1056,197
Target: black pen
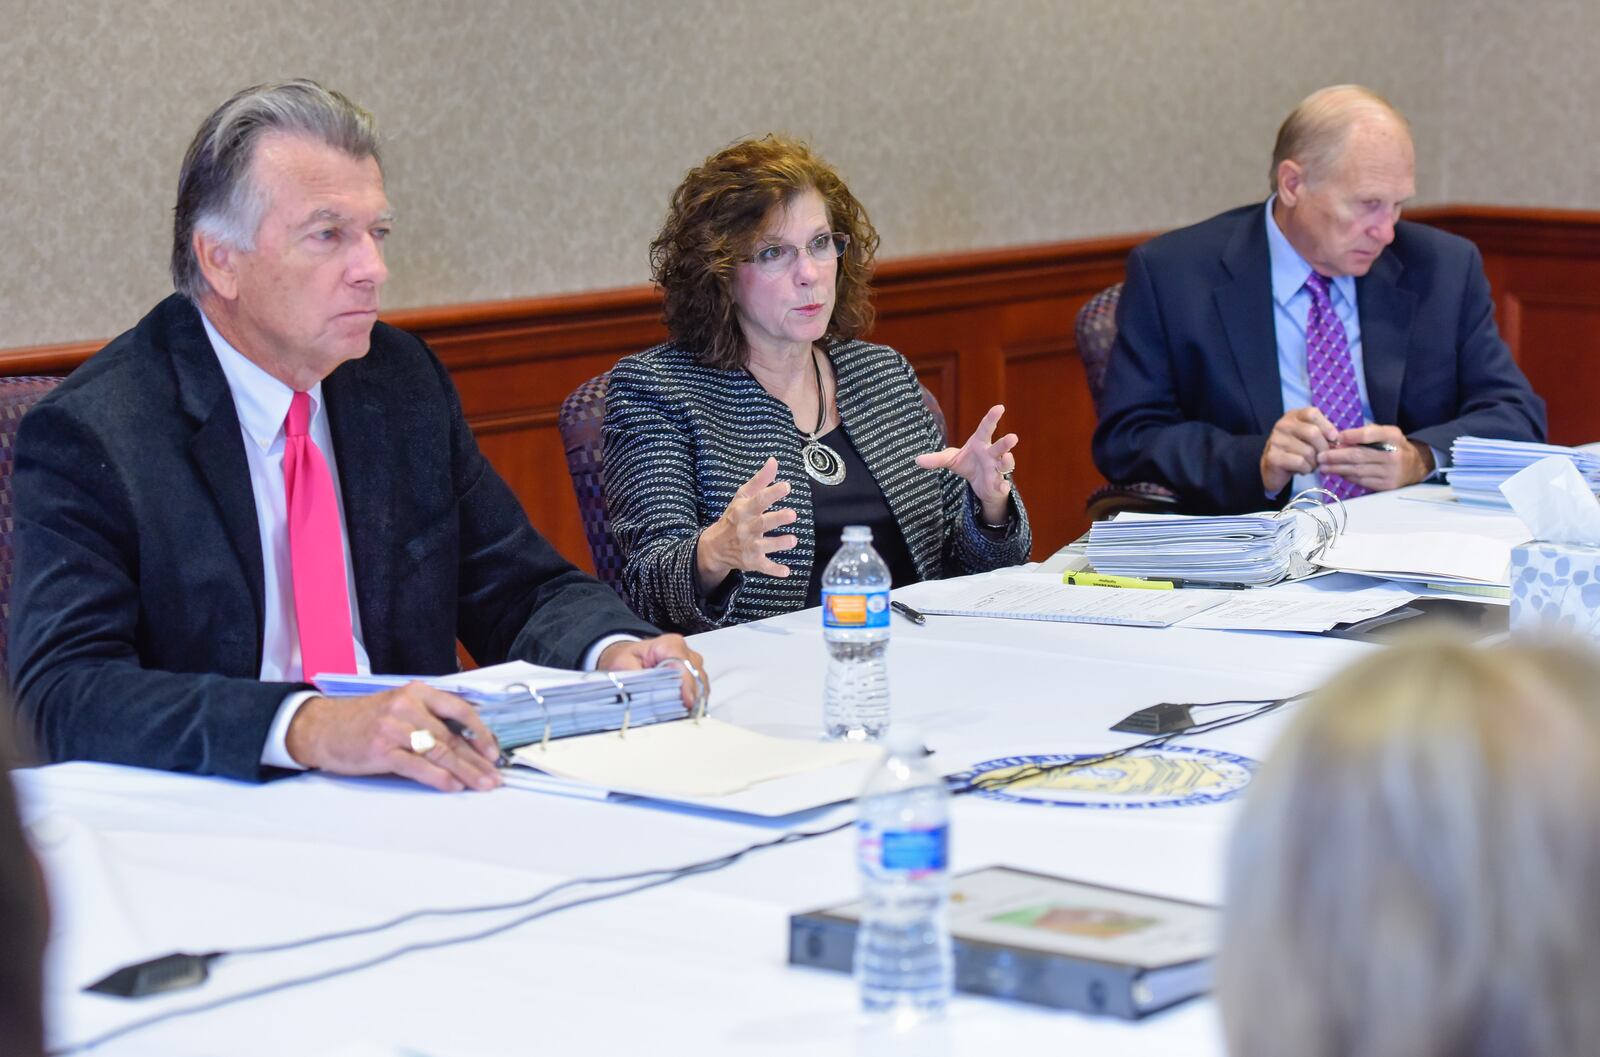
907,612
1209,585
1379,445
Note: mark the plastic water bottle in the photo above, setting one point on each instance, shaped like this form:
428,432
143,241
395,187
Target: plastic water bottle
855,623
903,962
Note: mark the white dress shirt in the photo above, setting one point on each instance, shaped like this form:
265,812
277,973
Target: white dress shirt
1291,312
262,403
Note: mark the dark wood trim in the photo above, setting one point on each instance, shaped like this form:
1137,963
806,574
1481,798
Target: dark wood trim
981,328
1521,232
630,318
938,282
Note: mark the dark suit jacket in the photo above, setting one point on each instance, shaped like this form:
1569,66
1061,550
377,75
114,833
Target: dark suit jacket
1192,389
136,617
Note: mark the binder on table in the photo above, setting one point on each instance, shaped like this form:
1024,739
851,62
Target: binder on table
1049,941
594,734
1253,549
522,703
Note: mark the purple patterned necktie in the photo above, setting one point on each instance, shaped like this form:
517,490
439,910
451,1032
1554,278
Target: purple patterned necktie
1333,376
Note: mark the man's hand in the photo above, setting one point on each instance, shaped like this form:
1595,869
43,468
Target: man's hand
1297,439
372,735
981,461
738,539
647,653
1374,470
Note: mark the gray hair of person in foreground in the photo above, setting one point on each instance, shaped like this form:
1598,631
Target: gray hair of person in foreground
217,193
1315,131
1416,871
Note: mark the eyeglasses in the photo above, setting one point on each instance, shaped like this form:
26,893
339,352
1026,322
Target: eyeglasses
775,258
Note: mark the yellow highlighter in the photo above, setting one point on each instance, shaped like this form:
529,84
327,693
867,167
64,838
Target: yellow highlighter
1103,580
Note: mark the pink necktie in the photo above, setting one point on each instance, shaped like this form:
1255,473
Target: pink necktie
316,551
1333,376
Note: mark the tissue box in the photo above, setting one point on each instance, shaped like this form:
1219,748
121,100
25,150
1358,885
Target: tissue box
1555,585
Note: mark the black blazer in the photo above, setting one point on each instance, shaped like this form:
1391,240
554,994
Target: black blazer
1192,388
136,617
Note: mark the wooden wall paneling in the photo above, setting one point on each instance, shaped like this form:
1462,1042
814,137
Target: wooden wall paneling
1048,407
980,328
1543,266
1564,328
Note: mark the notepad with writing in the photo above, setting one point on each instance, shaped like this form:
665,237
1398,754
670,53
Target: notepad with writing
1024,596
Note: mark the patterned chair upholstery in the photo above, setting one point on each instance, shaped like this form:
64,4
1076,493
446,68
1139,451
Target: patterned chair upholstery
17,395
582,414
1097,334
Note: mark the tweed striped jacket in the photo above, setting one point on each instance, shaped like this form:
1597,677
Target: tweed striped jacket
680,438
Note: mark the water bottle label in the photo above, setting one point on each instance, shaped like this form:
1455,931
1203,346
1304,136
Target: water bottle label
916,850
858,609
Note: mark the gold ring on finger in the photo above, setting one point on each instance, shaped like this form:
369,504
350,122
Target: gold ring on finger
423,741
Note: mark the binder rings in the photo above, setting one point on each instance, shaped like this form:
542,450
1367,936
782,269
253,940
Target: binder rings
1049,941
1252,549
522,703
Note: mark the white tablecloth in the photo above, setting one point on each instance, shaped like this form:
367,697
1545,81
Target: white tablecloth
141,863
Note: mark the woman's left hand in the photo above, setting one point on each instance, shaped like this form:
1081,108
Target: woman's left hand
986,464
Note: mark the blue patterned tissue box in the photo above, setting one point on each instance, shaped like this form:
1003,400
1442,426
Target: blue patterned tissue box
1556,584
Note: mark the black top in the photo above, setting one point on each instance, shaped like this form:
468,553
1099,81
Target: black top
856,500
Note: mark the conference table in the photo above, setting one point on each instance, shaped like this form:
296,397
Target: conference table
141,863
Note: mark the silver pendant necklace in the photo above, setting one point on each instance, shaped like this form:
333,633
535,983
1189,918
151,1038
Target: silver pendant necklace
822,463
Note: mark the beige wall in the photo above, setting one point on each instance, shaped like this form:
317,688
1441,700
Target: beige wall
1522,122
532,144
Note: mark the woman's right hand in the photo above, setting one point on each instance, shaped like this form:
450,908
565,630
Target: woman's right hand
738,539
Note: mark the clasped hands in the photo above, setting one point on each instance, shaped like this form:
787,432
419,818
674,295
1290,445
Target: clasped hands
371,734
739,538
1304,441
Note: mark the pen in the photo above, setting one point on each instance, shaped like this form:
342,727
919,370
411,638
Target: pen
1379,445
1164,584
907,612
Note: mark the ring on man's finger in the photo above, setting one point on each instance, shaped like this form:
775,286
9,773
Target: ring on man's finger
423,741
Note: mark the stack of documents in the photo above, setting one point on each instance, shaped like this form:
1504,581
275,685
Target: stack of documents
1255,549
1482,465
517,700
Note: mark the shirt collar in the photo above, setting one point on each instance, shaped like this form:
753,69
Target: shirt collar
1290,270
261,400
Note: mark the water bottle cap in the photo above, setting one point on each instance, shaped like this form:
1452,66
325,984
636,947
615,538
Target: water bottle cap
856,534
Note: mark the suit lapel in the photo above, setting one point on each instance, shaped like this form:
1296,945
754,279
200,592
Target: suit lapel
1244,301
369,487
1386,313
217,446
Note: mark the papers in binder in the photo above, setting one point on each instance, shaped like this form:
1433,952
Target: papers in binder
1441,558
519,702
1480,465
704,758
1034,596
1253,549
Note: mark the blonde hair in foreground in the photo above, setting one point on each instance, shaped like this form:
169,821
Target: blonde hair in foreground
1416,871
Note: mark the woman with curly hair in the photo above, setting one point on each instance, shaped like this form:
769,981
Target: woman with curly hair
765,394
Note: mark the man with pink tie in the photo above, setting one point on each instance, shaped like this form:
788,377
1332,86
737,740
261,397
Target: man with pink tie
260,483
